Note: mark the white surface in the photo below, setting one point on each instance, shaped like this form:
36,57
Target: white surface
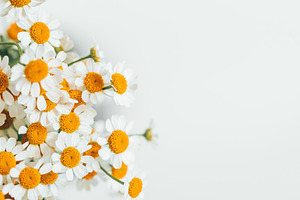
221,80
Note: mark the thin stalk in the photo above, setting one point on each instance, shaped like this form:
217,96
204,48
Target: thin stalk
107,87
81,59
111,176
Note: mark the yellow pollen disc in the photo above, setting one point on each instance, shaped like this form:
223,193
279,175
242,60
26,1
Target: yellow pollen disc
70,157
8,121
19,3
3,81
119,173
36,133
50,104
49,178
93,82
118,141
69,123
76,94
7,162
36,70
119,83
93,151
90,175
135,187
65,85
29,178
13,31
39,32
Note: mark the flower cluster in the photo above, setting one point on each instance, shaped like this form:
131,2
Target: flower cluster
48,135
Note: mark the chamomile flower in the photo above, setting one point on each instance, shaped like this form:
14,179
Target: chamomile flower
53,181
93,77
10,154
119,174
30,186
134,186
13,31
41,74
79,121
119,146
69,159
96,54
40,140
12,124
40,31
18,8
7,88
123,84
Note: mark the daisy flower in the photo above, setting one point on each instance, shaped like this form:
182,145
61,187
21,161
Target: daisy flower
79,121
119,174
7,89
10,154
30,186
69,158
40,31
53,181
93,77
40,140
96,54
118,147
13,31
123,83
18,8
134,186
41,74
12,124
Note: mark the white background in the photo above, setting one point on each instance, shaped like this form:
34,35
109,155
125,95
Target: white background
220,78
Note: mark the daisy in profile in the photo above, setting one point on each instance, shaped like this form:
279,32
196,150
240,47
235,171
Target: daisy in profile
96,54
12,124
123,84
53,181
119,146
40,74
40,140
93,77
79,121
29,178
69,159
7,89
40,31
119,174
10,154
134,186
18,8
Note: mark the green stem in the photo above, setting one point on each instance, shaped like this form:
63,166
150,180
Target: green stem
107,87
81,59
136,135
13,43
111,176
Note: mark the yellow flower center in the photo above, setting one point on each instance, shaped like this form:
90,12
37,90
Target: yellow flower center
7,162
135,187
13,31
119,83
49,178
36,133
90,175
119,173
118,141
76,94
29,178
8,121
69,123
93,82
19,3
70,157
39,32
2,197
3,82
93,151
65,85
36,70
50,104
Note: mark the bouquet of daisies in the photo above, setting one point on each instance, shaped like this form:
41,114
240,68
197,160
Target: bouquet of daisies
48,135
